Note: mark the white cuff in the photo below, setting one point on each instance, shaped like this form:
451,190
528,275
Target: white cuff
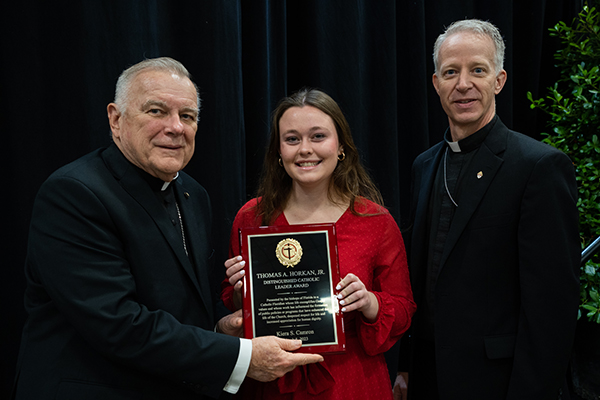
241,367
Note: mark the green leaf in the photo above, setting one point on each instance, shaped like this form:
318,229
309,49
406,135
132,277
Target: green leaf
589,270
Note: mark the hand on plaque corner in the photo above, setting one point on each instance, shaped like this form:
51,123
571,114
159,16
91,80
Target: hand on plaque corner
235,274
272,358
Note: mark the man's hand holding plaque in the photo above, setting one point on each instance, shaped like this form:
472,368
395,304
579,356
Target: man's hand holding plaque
271,356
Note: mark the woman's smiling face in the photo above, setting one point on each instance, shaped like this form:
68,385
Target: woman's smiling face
308,145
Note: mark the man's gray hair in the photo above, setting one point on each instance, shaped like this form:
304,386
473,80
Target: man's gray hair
478,27
166,64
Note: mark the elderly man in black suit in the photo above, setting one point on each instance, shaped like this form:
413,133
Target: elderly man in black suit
118,293
494,249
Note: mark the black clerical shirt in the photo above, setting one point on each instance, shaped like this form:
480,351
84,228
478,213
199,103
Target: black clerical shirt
447,190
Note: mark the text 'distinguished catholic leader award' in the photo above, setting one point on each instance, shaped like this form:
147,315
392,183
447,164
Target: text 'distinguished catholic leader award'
288,291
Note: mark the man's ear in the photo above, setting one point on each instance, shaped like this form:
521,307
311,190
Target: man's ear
500,81
434,79
114,119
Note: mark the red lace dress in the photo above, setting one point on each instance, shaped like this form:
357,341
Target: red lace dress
370,247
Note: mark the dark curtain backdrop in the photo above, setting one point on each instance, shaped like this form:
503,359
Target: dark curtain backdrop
62,59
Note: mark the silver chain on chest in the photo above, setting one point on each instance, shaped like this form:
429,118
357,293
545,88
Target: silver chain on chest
181,225
445,181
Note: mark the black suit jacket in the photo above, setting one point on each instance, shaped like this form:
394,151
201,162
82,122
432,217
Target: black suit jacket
116,308
507,293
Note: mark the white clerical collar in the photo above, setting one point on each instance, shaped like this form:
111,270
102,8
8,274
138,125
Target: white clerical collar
454,146
166,184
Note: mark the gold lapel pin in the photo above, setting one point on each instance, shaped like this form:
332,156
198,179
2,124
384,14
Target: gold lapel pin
186,194
479,175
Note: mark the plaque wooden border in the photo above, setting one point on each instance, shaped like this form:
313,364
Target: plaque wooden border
249,238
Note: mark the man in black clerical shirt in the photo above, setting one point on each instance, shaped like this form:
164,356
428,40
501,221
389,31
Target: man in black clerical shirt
494,247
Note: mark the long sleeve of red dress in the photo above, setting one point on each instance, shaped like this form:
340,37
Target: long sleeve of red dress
371,247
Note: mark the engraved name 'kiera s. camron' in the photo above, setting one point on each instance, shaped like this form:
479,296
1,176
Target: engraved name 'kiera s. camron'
289,252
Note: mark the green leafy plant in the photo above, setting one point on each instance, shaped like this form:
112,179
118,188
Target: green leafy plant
573,104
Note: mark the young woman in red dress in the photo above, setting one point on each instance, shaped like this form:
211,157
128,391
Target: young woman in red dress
312,174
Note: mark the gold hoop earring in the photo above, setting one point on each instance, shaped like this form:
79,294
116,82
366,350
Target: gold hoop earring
280,163
343,156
